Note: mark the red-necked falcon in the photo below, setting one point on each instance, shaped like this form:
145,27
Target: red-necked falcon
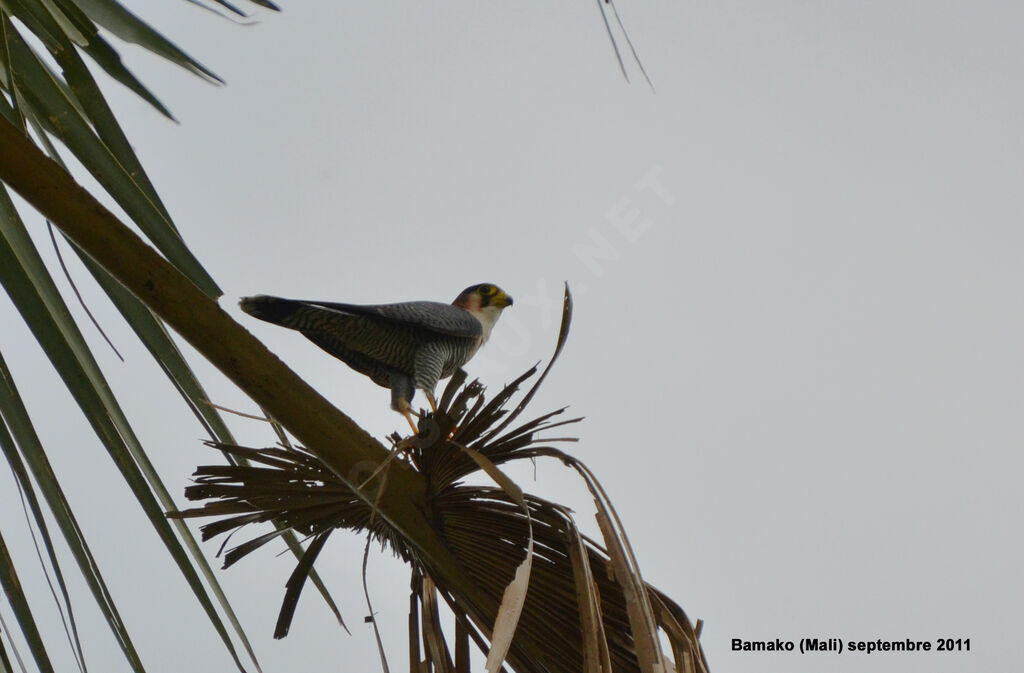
402,346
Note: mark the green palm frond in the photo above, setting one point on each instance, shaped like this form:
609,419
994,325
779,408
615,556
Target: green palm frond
50,94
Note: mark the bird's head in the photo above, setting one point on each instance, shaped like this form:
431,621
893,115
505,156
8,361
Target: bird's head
485,301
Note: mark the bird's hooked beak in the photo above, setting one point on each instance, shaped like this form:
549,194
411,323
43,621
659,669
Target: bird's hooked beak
501,300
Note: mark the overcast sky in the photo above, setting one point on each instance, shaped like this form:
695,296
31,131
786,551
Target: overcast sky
798,293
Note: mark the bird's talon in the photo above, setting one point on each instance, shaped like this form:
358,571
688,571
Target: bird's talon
408,417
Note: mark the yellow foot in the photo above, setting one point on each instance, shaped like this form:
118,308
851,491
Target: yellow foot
408,417
406,410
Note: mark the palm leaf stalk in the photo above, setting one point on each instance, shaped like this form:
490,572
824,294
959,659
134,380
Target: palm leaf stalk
581,610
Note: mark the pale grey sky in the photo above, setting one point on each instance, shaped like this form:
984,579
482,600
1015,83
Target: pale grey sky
797,271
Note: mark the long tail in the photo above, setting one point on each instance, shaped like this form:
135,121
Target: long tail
272,309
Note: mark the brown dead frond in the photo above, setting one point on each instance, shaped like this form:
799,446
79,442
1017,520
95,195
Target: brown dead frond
587,607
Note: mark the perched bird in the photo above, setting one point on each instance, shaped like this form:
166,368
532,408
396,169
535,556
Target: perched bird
402,346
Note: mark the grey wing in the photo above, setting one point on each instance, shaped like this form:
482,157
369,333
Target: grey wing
429,315
389,373
366,343
377,340
378,371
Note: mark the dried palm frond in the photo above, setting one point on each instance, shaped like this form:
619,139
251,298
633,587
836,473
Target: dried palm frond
586,608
